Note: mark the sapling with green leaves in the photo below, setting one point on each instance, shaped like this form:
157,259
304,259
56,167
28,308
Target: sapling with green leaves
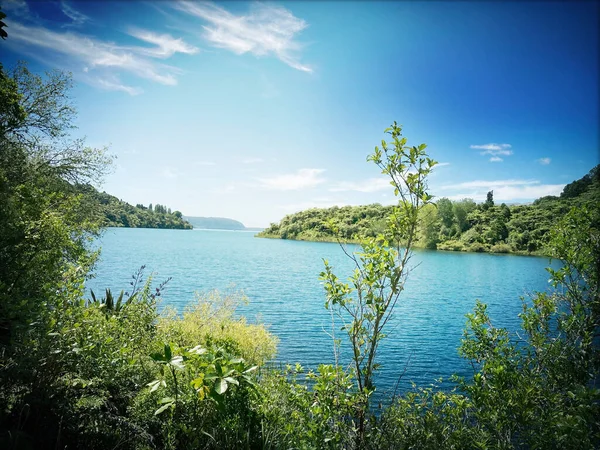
365,303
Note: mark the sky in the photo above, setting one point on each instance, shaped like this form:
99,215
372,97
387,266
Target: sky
252,111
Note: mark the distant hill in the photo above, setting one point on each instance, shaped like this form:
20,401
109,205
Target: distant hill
215,223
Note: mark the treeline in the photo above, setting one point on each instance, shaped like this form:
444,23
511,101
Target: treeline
117,213
449,225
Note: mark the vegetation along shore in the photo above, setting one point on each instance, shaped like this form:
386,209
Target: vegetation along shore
449,225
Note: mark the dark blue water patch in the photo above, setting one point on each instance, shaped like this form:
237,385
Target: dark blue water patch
281,280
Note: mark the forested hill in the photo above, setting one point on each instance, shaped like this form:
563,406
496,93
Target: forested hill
215,223
117,213
451,225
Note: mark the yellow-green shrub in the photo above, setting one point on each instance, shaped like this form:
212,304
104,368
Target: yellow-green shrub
212,320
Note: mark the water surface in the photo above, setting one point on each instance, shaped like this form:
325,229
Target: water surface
281,279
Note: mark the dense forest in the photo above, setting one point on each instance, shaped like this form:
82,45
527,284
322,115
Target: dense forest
117,213
113,371
449,225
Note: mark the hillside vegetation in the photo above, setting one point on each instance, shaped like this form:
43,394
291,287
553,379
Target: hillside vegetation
118,213
449,225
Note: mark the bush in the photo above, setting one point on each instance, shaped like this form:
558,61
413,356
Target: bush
211,321
501,248
452,245
477,247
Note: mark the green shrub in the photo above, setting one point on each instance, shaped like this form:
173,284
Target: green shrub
477,247
452,245
501,248
211,321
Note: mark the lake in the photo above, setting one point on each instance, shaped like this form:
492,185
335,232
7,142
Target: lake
281,280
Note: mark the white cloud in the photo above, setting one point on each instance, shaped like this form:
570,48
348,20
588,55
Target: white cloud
77,17
302,179
544,161
266,29
115,85
497,152
489,184
504,190
442,164
494,150
98,62
370,185
491,147
166,45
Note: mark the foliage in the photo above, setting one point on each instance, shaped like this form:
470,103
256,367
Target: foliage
46,224
113,212
307,410
211,321
450,225
366,302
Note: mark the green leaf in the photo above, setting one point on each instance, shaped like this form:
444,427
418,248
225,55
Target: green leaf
251,369
154,385
177,362
163,408
232,380
198,350
221,386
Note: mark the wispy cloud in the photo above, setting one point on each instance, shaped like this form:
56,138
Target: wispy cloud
494,150
491,147
511,190
98,62
115,85
205,163
302,179
77,17
166,45
266,29
544,161
370,185
489,184
17,8
442,164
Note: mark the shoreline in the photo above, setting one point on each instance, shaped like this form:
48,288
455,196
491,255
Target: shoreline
357,242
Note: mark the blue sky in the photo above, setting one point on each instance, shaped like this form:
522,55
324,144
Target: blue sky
256,110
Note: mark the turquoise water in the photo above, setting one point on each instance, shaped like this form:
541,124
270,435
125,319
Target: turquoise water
281,279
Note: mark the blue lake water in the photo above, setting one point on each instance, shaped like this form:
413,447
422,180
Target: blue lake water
281,280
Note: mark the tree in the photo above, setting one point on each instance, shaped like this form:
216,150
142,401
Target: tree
366,302
489,200
446,215
461,211
46,223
